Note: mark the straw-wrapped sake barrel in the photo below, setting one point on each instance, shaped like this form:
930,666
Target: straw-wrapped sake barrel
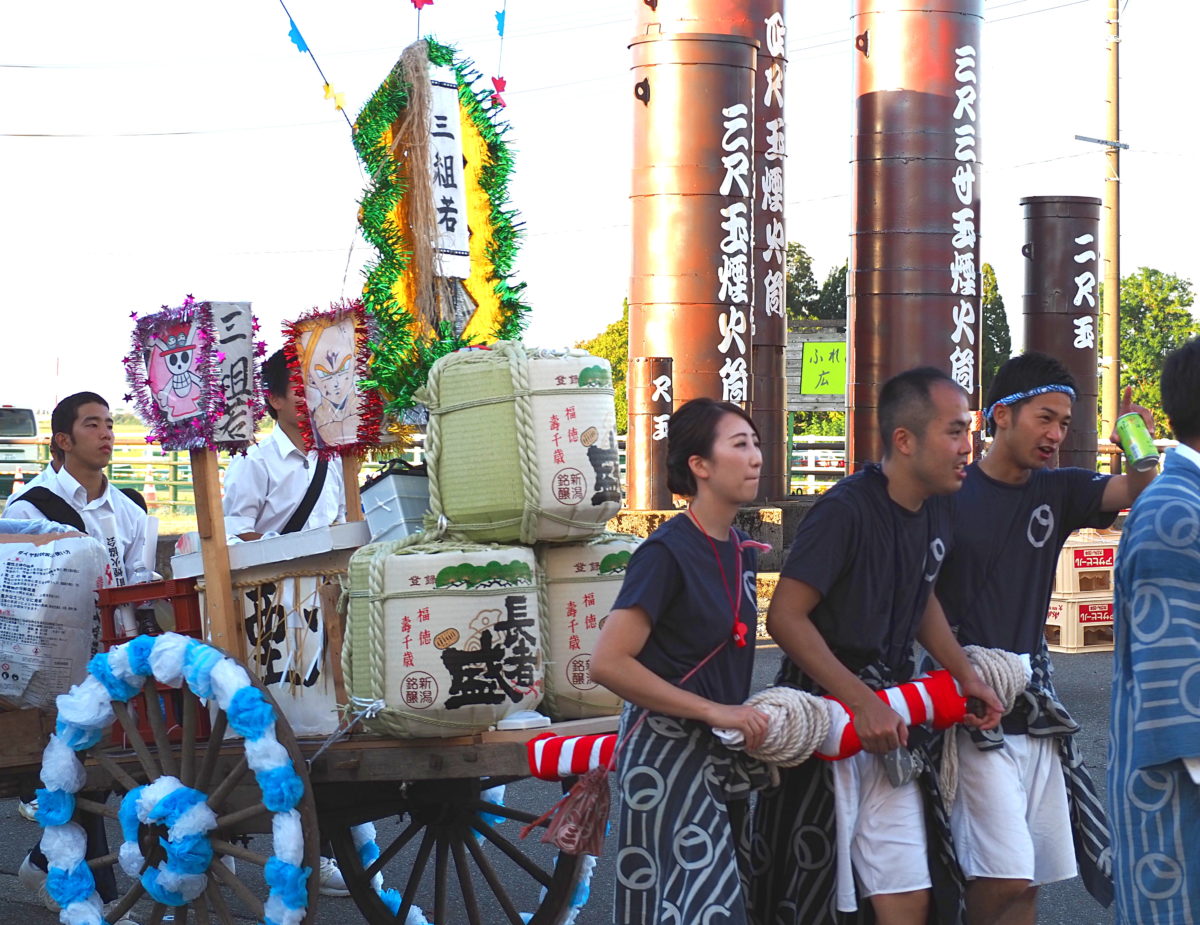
582,581
446,634
522,444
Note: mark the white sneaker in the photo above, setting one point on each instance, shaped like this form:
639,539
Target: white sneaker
331,879
28,810
34,880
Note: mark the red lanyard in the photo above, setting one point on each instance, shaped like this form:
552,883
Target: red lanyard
735,596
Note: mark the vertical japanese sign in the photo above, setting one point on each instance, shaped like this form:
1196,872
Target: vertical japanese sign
1084,298
733,268
233,326
449,191
774,291
660,398
824,369
964,271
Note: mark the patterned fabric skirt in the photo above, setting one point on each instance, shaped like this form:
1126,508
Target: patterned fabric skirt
683,853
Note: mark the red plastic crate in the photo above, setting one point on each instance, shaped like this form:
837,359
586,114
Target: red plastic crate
185,603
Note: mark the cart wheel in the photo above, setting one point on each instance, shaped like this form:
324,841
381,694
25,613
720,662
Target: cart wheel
233,795
442,853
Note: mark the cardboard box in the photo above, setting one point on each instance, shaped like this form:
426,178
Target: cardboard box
1080,623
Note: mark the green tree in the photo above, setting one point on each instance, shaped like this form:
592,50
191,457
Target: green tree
821,423
830,303
613,344
1155,319
997,339
802,291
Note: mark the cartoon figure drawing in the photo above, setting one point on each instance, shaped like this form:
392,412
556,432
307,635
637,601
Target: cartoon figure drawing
171,371
328,368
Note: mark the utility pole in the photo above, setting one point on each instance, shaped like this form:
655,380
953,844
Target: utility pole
1111,249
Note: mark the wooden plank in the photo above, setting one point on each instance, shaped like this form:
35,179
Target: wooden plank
596,725
335,632
23,737
224,623
350,468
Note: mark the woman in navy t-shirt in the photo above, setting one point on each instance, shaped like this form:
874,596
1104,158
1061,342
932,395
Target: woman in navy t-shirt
679,647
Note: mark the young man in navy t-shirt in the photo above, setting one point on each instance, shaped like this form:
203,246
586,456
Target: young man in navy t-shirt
856,590
1011,817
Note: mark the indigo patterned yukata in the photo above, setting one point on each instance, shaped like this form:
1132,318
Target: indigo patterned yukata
1154,805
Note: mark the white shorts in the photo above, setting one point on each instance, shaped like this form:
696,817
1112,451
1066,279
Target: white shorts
1010,817
880,832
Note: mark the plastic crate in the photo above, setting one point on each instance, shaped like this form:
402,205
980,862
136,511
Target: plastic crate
1085,565
184,602
1080,623
395,501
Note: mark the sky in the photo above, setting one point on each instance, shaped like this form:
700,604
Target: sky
155,148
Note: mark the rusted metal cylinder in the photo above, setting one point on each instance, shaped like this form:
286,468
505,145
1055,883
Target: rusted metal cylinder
650,405
913,289
693,185
1062,235
763,21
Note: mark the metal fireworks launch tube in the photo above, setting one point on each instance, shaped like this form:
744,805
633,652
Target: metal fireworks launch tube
762,21
913,286
693,186
649,387
1061,294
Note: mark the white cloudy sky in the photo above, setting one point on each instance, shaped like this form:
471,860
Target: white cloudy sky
153,147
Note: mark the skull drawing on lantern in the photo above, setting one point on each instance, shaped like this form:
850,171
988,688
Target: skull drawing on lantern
174,382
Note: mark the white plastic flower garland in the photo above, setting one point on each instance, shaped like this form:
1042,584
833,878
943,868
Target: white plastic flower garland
85,713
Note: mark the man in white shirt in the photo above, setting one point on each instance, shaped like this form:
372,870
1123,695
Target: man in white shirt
83,438
264,494
78,493
264,488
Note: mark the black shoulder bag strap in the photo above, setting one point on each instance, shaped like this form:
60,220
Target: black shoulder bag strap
52,507
309,501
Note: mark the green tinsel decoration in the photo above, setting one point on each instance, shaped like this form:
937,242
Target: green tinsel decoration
400,365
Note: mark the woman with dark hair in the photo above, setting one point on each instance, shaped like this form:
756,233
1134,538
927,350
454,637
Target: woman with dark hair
679,647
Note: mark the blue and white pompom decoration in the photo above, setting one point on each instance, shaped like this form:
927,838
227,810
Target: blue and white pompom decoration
368,851
85,713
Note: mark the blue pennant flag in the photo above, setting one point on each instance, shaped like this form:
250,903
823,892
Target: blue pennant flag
296,37
500,22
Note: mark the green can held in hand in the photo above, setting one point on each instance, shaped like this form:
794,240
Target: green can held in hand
1136,441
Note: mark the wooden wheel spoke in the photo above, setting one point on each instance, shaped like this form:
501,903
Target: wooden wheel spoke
250,812
514,854
226,786
134,735
393,849
220,907
414,876
157,913
201,906
228,879
489,874
216,739
158,725
229,849
119,774
136,892
465,884
96,809
506,812
107,860
440,875
187,760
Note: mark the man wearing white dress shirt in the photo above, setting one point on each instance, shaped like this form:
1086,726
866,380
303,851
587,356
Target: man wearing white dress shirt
264,488
264,494
76,491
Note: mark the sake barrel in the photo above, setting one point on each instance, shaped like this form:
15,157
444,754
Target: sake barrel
522,444
444,633
582,581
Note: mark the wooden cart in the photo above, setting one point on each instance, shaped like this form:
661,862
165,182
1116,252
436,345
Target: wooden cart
445,844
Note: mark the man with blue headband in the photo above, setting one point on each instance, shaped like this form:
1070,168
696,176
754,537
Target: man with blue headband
1025,811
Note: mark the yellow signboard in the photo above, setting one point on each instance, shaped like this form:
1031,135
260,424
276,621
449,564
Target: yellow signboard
824,370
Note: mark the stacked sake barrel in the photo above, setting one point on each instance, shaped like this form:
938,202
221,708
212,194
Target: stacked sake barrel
500,606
